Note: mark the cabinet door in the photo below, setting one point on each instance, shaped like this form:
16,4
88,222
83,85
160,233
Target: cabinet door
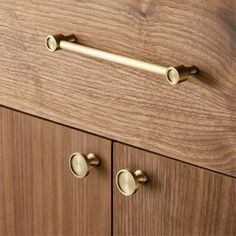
38,194
178,199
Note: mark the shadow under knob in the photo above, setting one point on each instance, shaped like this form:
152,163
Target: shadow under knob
80,164
128,182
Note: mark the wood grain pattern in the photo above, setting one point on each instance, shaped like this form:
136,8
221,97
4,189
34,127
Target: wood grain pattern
179,199
38,193
194,121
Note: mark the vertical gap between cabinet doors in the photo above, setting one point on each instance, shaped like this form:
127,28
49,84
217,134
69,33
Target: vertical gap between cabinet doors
112,190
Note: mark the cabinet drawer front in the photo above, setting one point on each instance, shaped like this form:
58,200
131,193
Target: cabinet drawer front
178,199
38,194
194,121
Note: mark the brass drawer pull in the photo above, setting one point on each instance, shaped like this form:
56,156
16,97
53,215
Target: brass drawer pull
128,182
174,75
80,164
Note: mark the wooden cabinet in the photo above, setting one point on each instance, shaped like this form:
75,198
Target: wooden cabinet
178,199
38,193
67,102
193,121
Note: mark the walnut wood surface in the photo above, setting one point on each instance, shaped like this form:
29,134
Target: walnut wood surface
179,199
38,193
194,121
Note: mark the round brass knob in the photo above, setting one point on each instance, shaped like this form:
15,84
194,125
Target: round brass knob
80,164
128,182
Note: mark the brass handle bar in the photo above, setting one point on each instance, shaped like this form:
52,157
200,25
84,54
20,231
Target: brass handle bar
174,75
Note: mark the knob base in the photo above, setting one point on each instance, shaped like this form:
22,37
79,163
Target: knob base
141,177
93,160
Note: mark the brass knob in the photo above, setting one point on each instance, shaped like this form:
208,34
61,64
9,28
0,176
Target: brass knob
128,182
80,164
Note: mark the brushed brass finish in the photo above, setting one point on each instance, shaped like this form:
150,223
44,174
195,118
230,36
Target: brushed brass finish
80,164
128,182
174,75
